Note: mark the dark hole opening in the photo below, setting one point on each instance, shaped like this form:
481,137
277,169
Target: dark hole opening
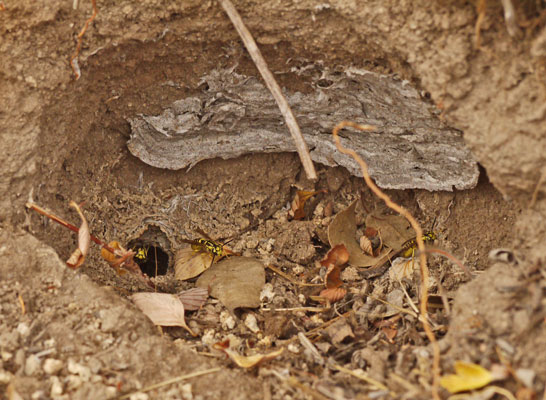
151,259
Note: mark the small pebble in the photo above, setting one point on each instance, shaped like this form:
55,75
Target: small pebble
5,377
52,366
73,382
56,387
32,365
227,321
251,323
293,348
78,369
23,329
267,294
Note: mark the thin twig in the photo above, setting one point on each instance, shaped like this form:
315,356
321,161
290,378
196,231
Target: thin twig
537,189
169,382
273,87
450,257
68,225
361,376
290,279
73,60
420,245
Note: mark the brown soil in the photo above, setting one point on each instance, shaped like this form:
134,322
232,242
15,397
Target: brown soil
65,139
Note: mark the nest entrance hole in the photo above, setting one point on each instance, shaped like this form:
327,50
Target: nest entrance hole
152,251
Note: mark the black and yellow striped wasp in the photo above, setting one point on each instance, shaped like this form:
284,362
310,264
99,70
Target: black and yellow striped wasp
410,246
207,245
141,254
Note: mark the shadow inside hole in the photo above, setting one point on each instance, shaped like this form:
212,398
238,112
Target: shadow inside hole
151,259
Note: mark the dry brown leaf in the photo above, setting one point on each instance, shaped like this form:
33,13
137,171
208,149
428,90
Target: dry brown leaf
390,333
193,298
84,240
342,230
247,361
296,211
333,294
395,230
118,252
122,259
163,309
236,282
189,263
335,258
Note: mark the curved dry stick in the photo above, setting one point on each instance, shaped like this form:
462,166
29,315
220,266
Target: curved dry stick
273,86
451,257
75,68
420,244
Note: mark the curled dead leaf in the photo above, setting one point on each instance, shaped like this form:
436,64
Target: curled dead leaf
189,263
334,260
162,308
84,240
366,245
296,211
122,259
337,256
333,294
342,230
193,298
247,361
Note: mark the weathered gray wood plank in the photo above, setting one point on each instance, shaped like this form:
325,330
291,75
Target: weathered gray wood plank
236,115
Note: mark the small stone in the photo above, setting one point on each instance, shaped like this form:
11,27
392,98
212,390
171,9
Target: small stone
209,337
5,377
252,323
6,356
267,294
23,329
186,391
339,331
37,395
293,348
350,274
32,365
227,320
252,243
52,366
56,387
73,382
527,376
78,369
19,359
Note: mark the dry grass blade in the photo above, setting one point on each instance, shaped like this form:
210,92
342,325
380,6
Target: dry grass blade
419,237
451,257
362,376
289,278
273,87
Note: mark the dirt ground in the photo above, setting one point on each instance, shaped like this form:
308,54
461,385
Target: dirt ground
77,335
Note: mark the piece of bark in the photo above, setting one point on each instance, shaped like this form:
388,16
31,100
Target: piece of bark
236,115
